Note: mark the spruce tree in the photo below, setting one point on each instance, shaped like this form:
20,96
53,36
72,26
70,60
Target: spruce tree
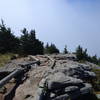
94,59
79,53
65,50
50,49
29,44
8,42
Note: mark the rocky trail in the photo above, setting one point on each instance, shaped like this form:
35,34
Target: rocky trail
54,77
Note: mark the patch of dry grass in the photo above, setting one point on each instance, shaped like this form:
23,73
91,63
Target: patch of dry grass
97,82
97,71
4,58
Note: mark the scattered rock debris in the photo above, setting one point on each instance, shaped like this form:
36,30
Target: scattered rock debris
57,77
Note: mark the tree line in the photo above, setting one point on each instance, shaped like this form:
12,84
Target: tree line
28,44
82,54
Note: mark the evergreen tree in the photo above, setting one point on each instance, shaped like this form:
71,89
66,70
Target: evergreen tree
53,49
24,39
29,44
8,42
85,55
65,50
50,49
94,59
79,53
82,55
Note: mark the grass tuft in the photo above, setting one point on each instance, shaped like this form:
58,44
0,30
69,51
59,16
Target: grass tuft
5,58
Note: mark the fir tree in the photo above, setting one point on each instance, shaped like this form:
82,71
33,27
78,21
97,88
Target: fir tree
8,42
50,49
29,44
65,50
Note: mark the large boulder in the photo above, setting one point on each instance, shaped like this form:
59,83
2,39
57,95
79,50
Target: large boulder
59,80
58,86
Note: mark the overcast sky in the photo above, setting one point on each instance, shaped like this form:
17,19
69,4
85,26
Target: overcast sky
70,22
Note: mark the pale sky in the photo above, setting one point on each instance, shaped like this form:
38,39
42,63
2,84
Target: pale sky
63,22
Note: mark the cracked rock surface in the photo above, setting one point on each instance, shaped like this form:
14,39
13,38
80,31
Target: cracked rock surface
66,80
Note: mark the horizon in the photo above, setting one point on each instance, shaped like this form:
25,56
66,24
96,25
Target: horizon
62,22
